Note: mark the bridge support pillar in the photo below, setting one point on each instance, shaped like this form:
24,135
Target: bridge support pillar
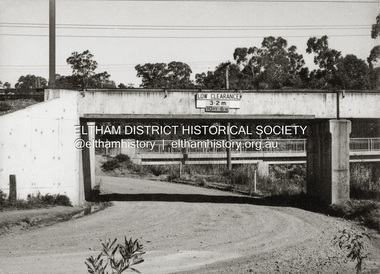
88,158
328,165
91,137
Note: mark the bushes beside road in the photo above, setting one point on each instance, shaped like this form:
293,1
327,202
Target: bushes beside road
34,201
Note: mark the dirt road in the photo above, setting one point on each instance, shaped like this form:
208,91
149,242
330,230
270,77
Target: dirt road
182,237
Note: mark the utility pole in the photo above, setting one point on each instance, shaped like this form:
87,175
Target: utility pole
229,163
52,44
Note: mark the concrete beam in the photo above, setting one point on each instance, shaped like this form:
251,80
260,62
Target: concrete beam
278,104
227,117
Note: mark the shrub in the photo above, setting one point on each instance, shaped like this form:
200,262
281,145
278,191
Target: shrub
364,211
289,171
228,175
62,200
200,181
34,199
372,220
5,106
3,198
240,175
274,186
158,170
174,173
110,165
123,158
355,243
120,162
47,199
129,255
209,169
365,181
287,179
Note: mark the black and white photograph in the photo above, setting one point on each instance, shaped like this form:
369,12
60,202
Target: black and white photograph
189,137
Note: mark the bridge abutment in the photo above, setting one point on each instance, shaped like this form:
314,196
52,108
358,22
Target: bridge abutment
328,169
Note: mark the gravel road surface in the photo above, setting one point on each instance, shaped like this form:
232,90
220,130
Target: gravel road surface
186,237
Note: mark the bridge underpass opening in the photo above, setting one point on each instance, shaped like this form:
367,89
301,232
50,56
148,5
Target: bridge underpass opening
326,143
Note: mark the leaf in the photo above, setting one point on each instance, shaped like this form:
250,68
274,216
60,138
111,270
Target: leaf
89,268
114,241
138,261
135,270
99,256
114,251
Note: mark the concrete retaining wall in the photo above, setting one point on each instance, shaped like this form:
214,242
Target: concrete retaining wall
36,145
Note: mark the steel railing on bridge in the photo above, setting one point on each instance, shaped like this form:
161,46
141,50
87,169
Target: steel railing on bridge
364,144
249,146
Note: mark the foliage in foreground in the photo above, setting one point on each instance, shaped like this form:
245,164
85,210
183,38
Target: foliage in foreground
128,255
355,244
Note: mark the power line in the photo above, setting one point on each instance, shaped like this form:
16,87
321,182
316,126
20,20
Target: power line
178,27
259,1
106,65
113,67
171,37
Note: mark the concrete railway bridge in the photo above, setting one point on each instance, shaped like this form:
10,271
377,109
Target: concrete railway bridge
38,144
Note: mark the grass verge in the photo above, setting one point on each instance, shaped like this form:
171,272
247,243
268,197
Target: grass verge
16,220
41,210
14,105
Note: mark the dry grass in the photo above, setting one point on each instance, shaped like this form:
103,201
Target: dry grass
18,104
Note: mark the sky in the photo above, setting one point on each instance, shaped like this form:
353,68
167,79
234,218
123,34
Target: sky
203,34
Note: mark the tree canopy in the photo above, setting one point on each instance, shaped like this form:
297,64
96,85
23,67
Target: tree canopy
273,65
31,82
5,85
161,75
376,28
217,79
374,56
336,71
83,68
